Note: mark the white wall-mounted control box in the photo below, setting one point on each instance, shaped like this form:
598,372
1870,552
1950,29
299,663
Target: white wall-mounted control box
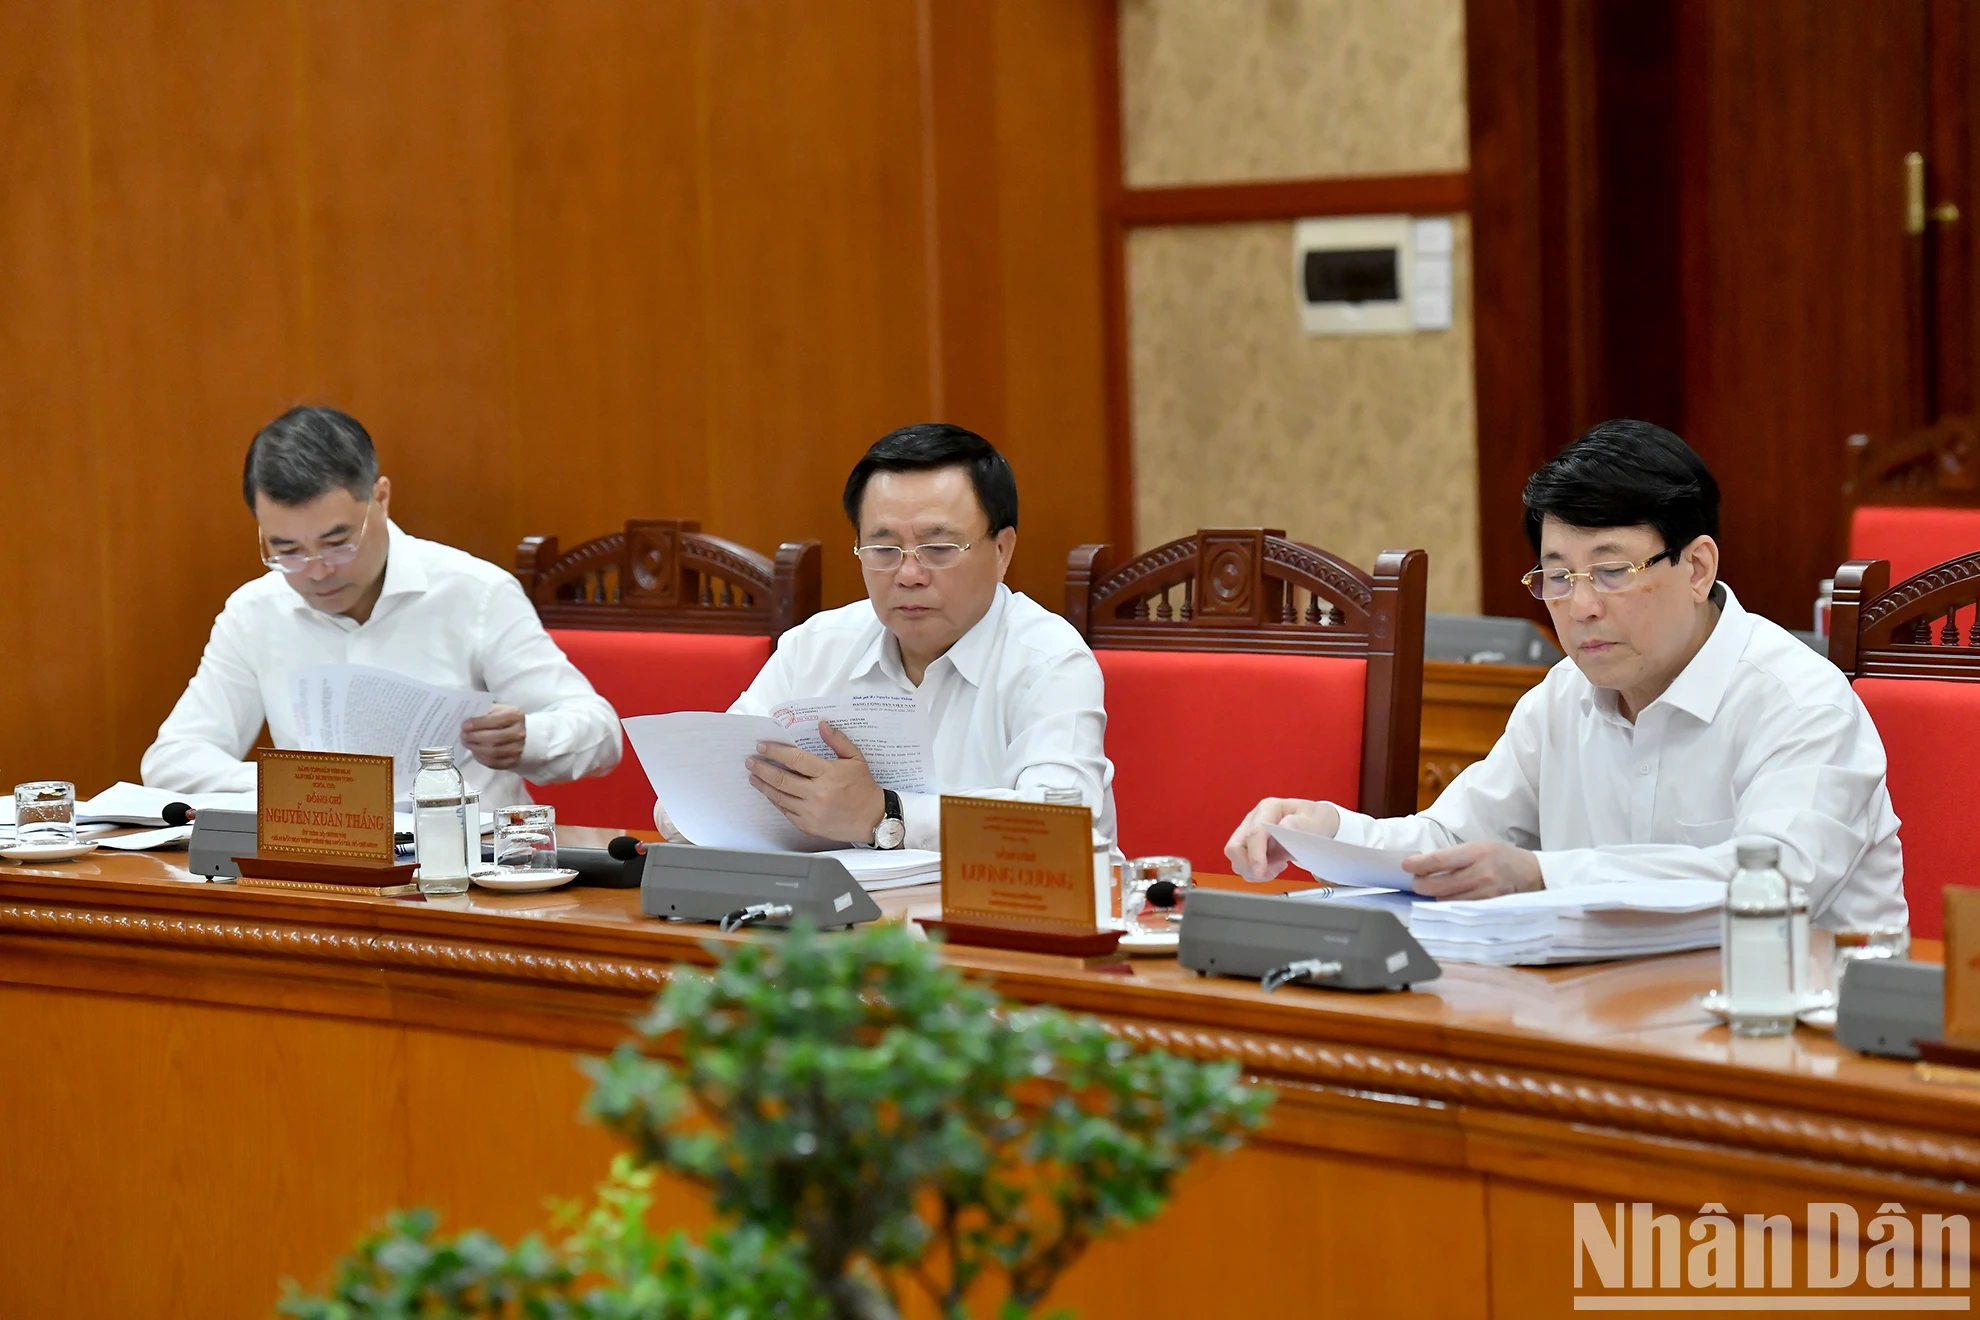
1372,274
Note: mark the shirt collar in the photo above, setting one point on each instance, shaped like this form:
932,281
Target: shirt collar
969,657
1701,685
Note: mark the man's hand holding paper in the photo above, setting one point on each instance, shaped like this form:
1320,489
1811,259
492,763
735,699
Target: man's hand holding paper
827,798
495,737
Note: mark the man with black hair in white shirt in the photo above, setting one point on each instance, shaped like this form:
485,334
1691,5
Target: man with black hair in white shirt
1677,725
1012,694
347,586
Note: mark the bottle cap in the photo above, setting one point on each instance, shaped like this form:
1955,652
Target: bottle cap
436,756
1761,852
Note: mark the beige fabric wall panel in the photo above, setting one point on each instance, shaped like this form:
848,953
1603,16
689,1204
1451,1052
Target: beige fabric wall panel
1356,444
1221,90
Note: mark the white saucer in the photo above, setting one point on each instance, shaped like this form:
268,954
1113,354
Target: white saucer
46,852
1818,1010
1150,943
515,880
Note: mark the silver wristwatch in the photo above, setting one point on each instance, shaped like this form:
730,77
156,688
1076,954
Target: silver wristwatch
891,832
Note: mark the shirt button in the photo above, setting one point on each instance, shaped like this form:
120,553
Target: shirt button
1642,769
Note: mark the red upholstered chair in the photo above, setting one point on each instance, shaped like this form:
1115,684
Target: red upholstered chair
1914,501
660,617
1913,653
1241,665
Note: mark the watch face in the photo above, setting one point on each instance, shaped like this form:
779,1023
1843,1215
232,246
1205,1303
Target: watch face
889,833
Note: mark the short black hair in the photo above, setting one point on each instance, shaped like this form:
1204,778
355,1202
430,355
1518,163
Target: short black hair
929,445
1626,473
306,452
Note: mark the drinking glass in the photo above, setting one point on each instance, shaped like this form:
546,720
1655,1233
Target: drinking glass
1865,943
526,837
45,813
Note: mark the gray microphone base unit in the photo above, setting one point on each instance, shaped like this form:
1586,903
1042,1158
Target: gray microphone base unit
1280,940
219,837
739,887
1889,1004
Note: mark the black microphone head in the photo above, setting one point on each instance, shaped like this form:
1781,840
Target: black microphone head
1164,893
623,849
178,813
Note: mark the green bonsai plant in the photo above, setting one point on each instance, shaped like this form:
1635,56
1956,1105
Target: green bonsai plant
864,1120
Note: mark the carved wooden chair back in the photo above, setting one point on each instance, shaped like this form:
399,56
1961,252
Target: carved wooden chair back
1279,653
1913,653
660,617
1914,501
666,575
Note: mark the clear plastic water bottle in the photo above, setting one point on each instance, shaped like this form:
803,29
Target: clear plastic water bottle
446,823
1758,960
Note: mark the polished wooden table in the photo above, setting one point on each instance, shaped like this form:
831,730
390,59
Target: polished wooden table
204,1089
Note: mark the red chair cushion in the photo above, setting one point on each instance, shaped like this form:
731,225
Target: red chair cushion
1197,738
1929,728
646,673
1913,539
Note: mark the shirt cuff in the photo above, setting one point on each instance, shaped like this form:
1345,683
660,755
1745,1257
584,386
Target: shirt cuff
922,814
1567,866
1354,827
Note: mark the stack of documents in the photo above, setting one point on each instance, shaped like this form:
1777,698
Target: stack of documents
1578,923
893,869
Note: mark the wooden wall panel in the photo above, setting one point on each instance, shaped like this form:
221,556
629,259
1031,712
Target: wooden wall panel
411,265
569,263
1053,424
609,336
817,240
49,683
192,227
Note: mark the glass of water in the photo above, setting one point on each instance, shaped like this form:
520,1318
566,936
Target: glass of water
45,813
1865,943
526,837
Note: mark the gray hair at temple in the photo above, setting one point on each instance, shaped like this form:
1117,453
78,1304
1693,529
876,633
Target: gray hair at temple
308,452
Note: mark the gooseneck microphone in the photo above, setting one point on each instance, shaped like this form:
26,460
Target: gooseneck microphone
177,814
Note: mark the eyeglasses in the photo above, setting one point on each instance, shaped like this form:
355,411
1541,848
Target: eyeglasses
1607,578
889,558
332,556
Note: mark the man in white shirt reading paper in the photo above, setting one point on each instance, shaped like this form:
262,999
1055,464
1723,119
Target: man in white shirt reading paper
347,586
1678,724
1011,693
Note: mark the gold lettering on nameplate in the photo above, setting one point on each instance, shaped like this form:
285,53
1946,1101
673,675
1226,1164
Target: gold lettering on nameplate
330,805
1021,865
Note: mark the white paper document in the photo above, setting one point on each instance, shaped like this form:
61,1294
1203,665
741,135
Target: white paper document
375,712
146,840
1575,923
1345,863
694,760
134,804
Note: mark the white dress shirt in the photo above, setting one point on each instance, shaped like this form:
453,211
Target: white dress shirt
1758,738
1014,707
442,617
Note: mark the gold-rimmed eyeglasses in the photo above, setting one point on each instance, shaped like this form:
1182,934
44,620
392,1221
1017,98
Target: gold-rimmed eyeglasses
1607,578
331,556
889,558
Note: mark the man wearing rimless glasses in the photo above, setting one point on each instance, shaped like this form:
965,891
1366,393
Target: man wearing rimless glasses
347,586
1011,692
1677,725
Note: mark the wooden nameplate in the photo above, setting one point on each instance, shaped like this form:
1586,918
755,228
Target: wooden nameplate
358,879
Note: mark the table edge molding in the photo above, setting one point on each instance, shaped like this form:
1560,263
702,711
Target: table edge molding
251,937
1614,1106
